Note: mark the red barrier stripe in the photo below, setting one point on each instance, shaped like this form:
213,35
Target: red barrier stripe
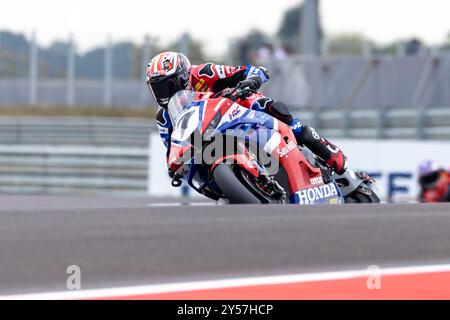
434,286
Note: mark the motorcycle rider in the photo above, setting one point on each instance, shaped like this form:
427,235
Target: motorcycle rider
434,182
170,72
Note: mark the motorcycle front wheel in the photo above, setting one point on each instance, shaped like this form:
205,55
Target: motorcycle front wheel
232,187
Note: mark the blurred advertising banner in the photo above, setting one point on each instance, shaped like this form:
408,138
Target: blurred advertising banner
394,163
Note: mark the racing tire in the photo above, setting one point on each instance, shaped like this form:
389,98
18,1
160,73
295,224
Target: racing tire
232,187
360,197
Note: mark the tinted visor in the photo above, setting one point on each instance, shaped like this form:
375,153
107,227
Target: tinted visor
164,89
430,179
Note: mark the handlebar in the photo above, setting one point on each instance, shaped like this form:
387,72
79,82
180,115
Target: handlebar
236,93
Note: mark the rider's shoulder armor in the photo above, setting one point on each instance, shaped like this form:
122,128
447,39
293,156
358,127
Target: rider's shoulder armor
203,77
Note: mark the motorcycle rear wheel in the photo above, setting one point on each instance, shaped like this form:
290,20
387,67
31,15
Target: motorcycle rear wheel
361,197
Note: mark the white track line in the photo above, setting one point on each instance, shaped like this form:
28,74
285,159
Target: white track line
224,284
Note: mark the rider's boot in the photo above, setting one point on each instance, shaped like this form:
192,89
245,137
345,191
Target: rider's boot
321,147
308,136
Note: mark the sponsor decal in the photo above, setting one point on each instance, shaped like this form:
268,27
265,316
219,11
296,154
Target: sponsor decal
315,134
288,148
167,64
163,130
200,86
234,114
328,193
221,71
333,149
296,126
316,181
253,71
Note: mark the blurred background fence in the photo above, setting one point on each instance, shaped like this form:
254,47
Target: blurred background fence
90,131
345,83
357,97
81,170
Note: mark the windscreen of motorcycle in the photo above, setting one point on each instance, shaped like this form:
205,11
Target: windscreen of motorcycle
184,117
181,101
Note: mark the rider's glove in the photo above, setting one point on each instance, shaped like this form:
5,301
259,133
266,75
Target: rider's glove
265,73
171,173
261,72
254,83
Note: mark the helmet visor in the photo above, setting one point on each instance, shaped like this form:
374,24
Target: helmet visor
430,179
163,90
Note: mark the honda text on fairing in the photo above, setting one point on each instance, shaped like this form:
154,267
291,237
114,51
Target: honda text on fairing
226,151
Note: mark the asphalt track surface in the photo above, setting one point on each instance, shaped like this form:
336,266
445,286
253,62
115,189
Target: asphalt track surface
135,241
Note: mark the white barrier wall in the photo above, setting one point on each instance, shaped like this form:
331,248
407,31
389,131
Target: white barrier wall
158,179
393,163
159,183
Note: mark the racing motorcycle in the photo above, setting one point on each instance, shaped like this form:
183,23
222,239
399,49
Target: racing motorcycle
228,152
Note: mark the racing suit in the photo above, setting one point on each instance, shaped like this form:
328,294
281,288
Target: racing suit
215,78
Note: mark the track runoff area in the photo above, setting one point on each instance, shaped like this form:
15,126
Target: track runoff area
136,250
